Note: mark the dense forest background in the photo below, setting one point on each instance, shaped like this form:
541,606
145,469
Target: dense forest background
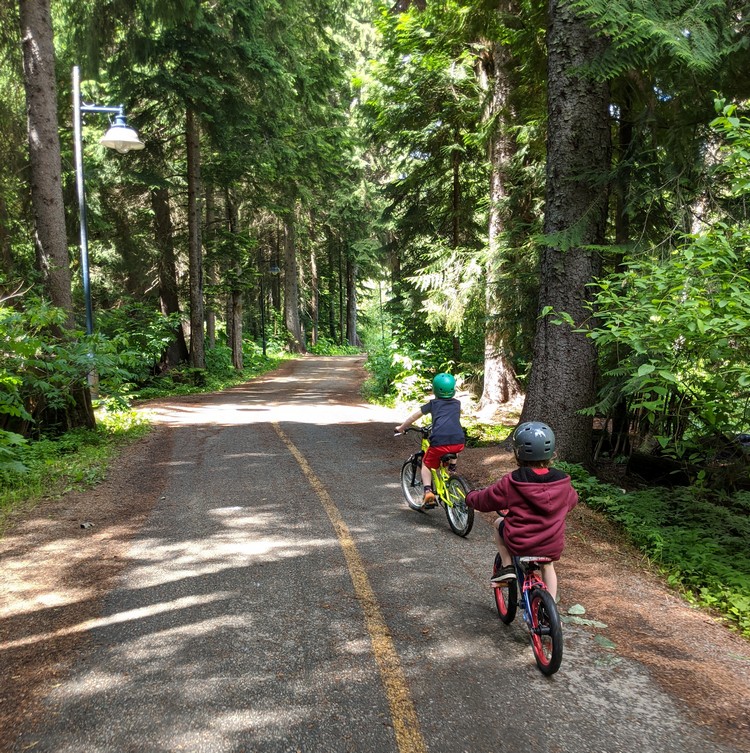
548,199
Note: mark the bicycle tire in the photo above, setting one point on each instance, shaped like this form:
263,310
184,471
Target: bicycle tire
411,483
506,600
546,631
460,515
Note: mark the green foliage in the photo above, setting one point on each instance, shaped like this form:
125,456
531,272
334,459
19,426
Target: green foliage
697,537
218,374
324,347
653,32
53,466
672,330
400,374
38,373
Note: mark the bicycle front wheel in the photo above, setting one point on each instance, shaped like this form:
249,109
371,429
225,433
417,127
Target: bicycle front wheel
546,631
460,515
411,483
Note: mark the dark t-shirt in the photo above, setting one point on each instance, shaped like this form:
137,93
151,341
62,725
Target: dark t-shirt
446,421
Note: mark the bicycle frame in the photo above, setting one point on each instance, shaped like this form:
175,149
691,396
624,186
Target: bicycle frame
439,475
529,577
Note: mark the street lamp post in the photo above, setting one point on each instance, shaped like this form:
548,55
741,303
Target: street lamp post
119,137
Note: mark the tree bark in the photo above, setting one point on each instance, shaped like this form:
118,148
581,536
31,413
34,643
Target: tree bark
195,254
6,260
177,351
315,298
352,338
236,342
291,289
499,384
235,296
45,167
45,180
211,268
563,374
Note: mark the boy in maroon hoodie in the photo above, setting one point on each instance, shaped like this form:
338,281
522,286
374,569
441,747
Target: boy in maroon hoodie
533,501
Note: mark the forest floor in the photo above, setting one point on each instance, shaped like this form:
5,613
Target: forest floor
54,573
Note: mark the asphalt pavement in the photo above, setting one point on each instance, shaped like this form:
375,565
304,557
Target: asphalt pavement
283,598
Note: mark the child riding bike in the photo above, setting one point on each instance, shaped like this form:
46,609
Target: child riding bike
533,502
446,433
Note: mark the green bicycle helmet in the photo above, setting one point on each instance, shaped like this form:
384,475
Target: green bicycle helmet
533,440
444,385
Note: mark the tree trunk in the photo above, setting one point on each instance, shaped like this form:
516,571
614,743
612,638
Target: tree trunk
315,299
45,167
235,297
342,288
6,261
291,289
563,374
236,342
210,269
177,351
45,180
195,255
331,291
352,338
500,384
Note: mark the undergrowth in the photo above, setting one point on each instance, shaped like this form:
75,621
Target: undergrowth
697,537
77,459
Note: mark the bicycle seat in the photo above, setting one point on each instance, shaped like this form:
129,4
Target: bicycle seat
531,558
449,456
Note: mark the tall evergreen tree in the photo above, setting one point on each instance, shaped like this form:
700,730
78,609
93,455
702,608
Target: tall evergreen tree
563,374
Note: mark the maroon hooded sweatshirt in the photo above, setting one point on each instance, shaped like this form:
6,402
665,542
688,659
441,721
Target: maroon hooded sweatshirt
536,505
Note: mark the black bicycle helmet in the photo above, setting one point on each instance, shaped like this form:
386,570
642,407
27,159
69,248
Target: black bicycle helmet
533,440
444,385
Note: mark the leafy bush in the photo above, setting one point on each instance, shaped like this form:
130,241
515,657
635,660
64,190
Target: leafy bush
698,537
54,465
401,375
326,347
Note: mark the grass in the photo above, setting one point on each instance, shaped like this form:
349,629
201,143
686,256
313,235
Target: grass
76,460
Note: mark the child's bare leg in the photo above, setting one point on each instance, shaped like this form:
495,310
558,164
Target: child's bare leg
549,576
426,476
505,556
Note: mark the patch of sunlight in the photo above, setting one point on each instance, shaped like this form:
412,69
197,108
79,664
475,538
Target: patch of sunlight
157,562
155,648
358,647
187,602
322,413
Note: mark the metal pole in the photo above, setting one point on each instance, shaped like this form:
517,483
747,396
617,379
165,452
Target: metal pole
78,148
263,315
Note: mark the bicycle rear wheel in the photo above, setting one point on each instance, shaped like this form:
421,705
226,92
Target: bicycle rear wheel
546,631
460,515
411,483
506,597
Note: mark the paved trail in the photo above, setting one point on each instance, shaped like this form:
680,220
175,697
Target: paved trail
283,598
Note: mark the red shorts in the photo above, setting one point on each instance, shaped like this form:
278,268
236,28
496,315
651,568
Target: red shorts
432,456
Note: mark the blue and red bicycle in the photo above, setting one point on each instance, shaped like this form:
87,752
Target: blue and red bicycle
537,607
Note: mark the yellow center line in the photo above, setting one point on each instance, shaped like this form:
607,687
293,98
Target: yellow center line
405,722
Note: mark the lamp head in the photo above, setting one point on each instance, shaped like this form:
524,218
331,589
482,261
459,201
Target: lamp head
121,137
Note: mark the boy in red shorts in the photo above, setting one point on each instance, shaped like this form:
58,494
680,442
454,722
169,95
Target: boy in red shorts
446,433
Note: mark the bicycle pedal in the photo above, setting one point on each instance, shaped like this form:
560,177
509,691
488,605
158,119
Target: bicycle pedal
429,505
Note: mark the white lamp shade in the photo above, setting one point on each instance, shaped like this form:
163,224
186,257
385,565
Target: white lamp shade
122,138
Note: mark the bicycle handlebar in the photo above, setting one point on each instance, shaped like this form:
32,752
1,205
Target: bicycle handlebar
423,430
